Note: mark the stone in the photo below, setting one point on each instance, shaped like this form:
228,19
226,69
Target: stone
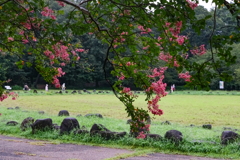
79,115
41,112
26,123
9,108
81,131
94,115
207,126
229,137
69,124
110,135
154,136
98,127
17,107
66,91
56,126
12,123
41,125
166,123
73,92
35,91
102,131
63,113
174,136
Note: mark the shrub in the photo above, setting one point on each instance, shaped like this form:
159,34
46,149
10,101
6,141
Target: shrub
17,87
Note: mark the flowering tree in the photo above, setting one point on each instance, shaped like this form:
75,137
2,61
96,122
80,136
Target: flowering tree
32,27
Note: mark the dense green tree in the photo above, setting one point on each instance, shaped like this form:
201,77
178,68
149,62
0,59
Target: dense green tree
133,51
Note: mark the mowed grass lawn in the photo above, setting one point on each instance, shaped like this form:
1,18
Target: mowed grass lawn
218,110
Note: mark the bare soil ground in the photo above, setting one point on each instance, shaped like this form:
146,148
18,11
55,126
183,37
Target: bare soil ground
12,148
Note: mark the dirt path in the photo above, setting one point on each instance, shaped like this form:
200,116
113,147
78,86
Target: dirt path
12,148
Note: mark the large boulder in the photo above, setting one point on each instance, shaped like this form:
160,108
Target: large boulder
69,124
102,131
174,136
229,137
42,125
26,123
63,113
98,127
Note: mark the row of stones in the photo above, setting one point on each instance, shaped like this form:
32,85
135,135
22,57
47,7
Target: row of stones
69,124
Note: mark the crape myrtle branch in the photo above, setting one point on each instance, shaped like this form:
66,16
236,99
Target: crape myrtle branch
84,10
5,2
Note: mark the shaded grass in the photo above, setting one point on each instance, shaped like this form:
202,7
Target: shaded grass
211,146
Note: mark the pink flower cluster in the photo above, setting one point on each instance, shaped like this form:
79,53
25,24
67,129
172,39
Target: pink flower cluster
60,73
176,29
143,30
80,50
61,3
10,39
180,39
186,76
61,51
168,58
130,64
159,88
47,12
141,135
192,4
122,77
199,51
5,95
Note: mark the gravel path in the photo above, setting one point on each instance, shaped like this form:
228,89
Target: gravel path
12,148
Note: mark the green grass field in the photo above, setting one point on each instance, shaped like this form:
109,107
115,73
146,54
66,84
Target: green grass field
221,109
181,107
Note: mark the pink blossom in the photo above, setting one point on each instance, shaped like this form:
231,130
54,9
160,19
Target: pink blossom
51,57
78,58
27,25
192,4
10,39
74,53
47,12
25,41
62,64
80,50
199,51
169,59
126,90
181,39
186,76
141,135
61,3
21,32
146,47
47,53
122,77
